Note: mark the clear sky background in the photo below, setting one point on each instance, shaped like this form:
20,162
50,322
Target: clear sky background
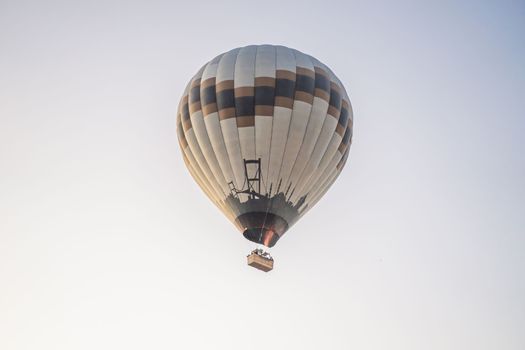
107,243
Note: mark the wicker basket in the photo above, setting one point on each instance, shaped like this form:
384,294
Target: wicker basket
259,262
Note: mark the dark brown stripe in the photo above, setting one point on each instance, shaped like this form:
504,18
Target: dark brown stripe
322,94
227,113
224,85
340,130
334,112
208,82
321,71
264,110
304,96
243,122
209,109
264,81
335,86
244,91
284,74
305,71
283,102
195,107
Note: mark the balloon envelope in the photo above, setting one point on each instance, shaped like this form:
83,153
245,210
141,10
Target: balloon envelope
264,131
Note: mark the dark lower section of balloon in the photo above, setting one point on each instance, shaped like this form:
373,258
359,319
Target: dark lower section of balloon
262,227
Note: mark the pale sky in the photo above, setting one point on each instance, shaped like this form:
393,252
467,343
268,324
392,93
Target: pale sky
107,243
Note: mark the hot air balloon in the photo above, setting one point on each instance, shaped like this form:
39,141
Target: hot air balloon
264,131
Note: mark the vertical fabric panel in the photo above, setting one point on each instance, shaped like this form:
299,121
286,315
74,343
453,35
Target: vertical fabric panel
244,83
317,117
302,106
264,107
211,119
224,84
201,134
284,92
